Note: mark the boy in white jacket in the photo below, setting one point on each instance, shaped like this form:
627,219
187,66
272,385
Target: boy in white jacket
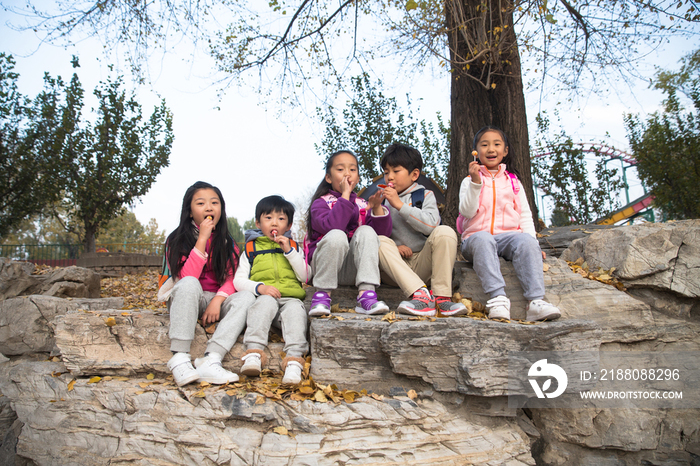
273,268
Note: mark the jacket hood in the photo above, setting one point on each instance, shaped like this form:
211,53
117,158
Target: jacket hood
255,233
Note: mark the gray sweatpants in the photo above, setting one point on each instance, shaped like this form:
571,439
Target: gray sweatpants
339,261
482,249
289,314
188,302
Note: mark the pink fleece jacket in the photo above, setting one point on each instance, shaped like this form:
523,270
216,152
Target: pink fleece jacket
196,265
493,205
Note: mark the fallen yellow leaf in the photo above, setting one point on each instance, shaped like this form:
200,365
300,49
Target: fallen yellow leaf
150,376
260,400
71,384
280,430
412,394
110,322
95,379
306,390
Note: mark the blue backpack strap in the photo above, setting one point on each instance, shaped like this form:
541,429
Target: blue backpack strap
417,198
251,252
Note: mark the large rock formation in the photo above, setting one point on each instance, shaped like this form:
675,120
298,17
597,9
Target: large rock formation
17,279
439,386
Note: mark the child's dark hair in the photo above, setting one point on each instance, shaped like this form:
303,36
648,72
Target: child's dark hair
508,159
402,155
182,240
270,204
325,186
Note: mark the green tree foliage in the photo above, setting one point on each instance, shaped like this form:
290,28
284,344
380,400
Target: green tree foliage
112,161
371,121
667,144
51,153
126,228
561,171
249,224
236,231
292,45
32,175
50,228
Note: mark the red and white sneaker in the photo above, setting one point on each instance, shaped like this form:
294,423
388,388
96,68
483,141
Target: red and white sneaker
421,304
448,308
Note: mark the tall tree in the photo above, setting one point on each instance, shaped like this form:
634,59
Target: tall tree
371,121
114,160
667,144
31,176
476,40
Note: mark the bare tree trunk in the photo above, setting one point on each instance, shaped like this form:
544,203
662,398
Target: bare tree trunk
475,104
89,242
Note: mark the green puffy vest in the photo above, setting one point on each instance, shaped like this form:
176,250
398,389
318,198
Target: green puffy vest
272,268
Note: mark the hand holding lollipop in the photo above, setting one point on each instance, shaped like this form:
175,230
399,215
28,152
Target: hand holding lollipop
474,169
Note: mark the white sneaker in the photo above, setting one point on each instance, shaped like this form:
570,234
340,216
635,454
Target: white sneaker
292,374
181,367
498,307
539,309
251,365
210,370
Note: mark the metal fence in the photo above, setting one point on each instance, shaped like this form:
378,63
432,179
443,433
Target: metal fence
67,254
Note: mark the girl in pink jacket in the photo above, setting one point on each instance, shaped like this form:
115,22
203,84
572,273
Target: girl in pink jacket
496,220
201,258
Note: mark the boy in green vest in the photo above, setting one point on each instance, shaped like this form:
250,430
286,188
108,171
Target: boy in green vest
273,268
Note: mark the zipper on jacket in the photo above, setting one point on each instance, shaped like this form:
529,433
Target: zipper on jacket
493,209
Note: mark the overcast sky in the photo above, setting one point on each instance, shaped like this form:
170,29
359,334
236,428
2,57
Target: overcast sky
250,151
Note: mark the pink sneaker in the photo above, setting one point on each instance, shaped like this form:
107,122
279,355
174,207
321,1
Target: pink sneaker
421,304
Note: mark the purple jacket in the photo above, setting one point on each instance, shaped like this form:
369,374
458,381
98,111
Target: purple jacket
345,215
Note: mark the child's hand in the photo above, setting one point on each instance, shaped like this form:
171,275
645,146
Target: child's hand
206,227
392,196
375,202
205,230
474,172
270,291
283,241
405,251
213,311
346,187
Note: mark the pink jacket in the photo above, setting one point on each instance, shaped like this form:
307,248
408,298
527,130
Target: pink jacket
196,265
496,205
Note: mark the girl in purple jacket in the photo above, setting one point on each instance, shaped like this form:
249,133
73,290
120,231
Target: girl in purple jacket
343,237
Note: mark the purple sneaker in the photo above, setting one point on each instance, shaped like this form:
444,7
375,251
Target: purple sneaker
320,304
368,304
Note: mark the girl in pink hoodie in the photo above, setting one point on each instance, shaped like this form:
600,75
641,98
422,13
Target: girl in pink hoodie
201,258
495,220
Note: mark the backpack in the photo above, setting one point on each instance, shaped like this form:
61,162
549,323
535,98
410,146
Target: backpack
251,252
514,182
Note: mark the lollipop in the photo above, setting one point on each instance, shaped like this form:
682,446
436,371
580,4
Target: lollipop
274,234
209,217
475,153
